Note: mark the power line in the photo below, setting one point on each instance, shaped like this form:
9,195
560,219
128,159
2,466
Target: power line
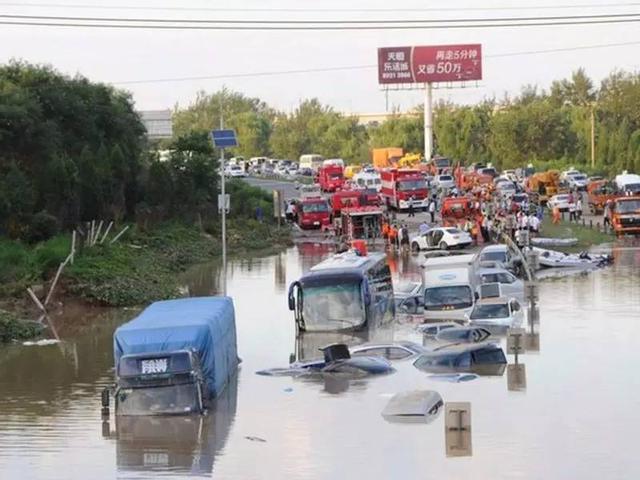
332,10
191,21
319,27
360,67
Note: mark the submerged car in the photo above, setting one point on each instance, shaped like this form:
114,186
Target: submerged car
390,351
434,328
510,285
408,297
497,315
441,238
480,358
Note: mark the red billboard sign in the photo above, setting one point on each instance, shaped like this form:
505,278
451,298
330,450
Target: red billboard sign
438,63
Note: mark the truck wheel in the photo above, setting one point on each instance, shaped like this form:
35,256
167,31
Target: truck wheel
443,245
415,248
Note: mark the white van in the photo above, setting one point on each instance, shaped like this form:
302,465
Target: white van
628,182
449,261
312,161
368,180
449,293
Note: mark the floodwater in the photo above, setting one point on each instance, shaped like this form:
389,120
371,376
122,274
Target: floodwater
569,410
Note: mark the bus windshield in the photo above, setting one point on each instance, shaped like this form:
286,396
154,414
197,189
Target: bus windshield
333,306
405,185
449,297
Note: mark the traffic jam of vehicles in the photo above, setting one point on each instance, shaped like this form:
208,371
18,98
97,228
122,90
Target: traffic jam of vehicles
474,234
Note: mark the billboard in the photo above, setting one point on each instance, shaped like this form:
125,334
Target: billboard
436,63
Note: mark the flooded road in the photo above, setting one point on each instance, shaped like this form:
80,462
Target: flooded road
570,410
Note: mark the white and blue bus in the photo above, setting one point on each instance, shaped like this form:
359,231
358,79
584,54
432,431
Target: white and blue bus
345,292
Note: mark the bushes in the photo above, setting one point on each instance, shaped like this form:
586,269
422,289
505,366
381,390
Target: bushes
41,227
13,329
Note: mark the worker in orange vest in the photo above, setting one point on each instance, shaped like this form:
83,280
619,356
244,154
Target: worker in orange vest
393,235
385,232
556,215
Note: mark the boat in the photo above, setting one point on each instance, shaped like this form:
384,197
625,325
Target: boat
553,242
552,259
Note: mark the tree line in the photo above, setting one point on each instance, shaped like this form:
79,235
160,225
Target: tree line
547,128
74,151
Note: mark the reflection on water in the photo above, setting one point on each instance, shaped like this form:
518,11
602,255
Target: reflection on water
579,388
185,445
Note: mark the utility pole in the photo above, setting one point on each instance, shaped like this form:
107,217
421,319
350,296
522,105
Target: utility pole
224,213
593,137
428,123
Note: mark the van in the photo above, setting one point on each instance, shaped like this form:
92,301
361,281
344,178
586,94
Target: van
312,161
449,292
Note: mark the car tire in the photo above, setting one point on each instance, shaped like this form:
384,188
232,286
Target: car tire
443,245
415,248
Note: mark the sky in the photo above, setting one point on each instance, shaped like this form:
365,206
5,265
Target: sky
123,56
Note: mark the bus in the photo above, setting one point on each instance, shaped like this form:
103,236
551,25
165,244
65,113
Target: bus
346,292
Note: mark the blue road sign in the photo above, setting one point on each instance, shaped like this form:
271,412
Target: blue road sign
224,138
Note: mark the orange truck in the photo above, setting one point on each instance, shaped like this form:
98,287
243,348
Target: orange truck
545,184
386,157
625,215
599,193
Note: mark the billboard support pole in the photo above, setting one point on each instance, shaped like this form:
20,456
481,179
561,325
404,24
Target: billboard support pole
224,214
428,123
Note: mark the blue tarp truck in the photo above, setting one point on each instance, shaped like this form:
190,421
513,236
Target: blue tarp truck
175,357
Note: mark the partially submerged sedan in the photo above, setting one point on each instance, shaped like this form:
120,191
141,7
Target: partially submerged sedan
497,315
479,358
441,238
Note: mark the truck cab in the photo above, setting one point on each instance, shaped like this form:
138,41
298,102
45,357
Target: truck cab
313,212
625,215
331,177
402,188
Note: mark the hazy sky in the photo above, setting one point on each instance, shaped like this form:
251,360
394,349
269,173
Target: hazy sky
129,55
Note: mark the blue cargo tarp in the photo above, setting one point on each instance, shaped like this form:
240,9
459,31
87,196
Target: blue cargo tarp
204,324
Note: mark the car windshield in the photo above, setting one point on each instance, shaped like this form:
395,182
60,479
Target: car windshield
405,185
562,198
632,187
453,231
445,178
494,256
440,298
580,177
519,198
335,176
628,206
442,162
406,287
333,306
497,310
315,207
165,400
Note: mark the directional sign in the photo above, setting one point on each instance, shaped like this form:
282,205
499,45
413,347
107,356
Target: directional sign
224,138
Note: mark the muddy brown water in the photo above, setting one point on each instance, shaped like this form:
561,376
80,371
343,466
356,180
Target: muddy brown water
572,411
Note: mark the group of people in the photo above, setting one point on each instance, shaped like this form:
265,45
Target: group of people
395,235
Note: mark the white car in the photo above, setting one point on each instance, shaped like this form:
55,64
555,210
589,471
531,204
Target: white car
292,170
234,171
442,238
561,201
579,181
281,170
510,285
497,314
506,188
444,181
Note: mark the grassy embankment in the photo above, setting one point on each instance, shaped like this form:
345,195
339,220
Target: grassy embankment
141,267
587,237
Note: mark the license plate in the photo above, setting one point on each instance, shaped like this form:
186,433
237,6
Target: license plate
157,365
316,223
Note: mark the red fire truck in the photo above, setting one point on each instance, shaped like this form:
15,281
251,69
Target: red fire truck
313,212
331,177
402,187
